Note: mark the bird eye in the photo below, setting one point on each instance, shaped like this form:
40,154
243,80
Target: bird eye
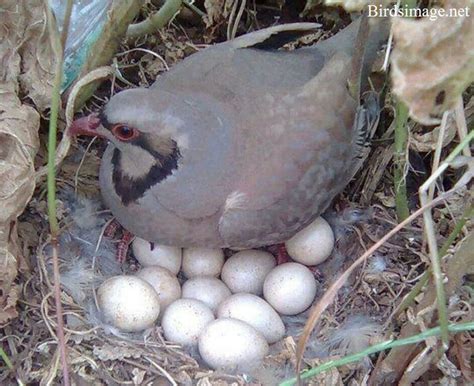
124,132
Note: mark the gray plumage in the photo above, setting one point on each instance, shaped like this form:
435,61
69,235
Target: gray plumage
241,145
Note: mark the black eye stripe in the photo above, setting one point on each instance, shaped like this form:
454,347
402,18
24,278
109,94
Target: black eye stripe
131,189
103,120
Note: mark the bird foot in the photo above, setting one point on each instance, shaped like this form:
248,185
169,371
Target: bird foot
316,272
283,257
123,245
112,228
123,242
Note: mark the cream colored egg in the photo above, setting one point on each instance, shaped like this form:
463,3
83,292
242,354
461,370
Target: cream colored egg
208,289
290,288
128,303
149,254
184,320
231,343
202,262
246,270
164,282
313,244
256,312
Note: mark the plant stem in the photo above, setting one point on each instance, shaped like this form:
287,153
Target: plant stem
5,358
415,291
193,8
400,158
58,48
468,213
156,21
431,237
453,328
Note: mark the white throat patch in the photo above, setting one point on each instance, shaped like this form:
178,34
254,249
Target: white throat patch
136,162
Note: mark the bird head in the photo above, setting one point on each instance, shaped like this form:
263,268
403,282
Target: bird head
144,132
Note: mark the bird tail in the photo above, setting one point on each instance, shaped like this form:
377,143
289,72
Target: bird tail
364,39
365,124
361,40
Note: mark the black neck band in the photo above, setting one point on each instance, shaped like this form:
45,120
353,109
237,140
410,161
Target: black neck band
130,189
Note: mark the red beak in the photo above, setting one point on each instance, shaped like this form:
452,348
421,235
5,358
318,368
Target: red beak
85,126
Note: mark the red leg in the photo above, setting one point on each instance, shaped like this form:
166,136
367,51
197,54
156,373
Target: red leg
112,228
123,245
316,272
283,257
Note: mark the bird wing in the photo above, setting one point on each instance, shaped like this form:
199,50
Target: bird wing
298,155
220,84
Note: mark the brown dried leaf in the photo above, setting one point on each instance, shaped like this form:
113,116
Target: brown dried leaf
19,125
138,376
348,5
418,366
463,349
37,58
433,61
427,142
18,144
217,11
331,377
110,352
457,267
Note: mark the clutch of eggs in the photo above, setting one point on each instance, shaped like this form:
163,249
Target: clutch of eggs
219,309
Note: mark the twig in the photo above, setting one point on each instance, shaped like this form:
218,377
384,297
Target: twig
83,158
163,371
461,124
65,144
237,19
431,237
400,159
193,8
156,21
388,51
58,48
438,149
389,344
468,213
415,291
330,294
5,358
230,21
148,52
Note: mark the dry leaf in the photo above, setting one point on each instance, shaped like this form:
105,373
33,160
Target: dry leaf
433,62
27,70
393,366
138,376
427,142
463,349
331,377
217,11
20,57
348,5
38,61
110,352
